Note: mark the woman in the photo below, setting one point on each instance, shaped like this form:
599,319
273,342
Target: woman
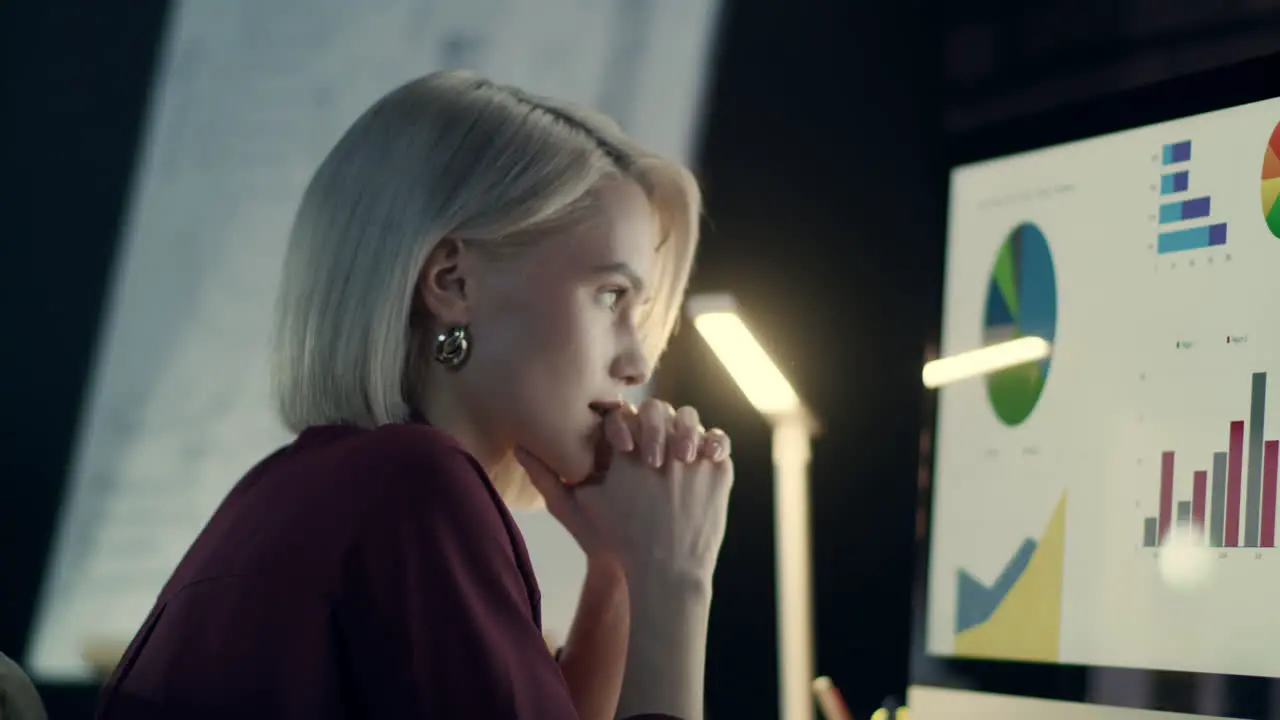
19,699
474,277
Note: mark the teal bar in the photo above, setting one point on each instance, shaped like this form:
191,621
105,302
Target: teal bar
1177,152
1174,182
1192,238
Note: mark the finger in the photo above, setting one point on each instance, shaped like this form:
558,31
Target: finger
655,415
716,445
547,482
601,462
618,431
686,435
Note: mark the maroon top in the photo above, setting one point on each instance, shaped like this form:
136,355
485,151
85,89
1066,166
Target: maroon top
352,574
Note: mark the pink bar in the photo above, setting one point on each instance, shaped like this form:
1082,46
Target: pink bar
1270,459
1166,496
1197,498
1235,463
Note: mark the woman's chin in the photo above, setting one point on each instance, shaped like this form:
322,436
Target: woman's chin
579,464
579,471
573,462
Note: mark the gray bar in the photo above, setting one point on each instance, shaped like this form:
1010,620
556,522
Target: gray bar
1253,501
1149,526
1218,501
1184,514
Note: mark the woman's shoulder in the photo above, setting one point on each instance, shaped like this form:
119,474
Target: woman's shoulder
415,487
394,459
333,488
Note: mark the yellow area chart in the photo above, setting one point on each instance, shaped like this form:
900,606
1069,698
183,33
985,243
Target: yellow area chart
1025,623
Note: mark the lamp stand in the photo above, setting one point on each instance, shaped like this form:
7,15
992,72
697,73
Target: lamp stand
794,559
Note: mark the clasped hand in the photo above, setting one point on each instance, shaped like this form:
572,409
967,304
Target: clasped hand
660,500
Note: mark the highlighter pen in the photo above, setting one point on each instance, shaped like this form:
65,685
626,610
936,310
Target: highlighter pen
829,700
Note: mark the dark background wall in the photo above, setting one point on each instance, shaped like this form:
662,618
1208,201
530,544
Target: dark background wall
822,161
823,219
76,77
1009,56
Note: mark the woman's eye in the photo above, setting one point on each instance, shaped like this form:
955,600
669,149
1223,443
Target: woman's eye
613,297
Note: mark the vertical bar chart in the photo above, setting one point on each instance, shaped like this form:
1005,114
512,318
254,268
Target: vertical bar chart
1177,211
1235,463
1166,495
1218,509
1235,499
1198,498
1253,487
1270,459
1184,513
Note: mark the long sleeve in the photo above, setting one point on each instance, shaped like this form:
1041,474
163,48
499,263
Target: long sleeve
441,619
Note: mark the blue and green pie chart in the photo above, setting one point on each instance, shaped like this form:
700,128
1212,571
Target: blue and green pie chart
1022,301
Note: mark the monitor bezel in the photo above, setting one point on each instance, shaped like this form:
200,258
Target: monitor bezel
1220,88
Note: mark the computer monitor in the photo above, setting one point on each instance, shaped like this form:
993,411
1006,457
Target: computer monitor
1102,522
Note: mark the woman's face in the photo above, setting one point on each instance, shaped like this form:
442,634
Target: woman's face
554,331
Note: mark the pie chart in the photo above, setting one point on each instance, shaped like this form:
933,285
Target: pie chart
1022,301
1271,183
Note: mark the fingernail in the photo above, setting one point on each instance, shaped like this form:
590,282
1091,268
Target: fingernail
721,453
655,456
688,451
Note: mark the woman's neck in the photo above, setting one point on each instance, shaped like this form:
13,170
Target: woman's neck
441,411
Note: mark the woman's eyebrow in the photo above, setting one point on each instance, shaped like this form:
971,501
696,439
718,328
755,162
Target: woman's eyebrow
625,270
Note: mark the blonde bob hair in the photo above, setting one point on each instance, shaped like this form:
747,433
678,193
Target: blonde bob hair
447,155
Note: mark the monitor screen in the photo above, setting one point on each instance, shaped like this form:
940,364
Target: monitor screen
936,703
1113,504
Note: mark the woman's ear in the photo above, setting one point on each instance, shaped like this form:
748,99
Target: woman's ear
442,284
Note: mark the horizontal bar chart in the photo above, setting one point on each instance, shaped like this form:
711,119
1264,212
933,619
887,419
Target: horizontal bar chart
1184,210
1193,238
1171,212
1175,182
1177,152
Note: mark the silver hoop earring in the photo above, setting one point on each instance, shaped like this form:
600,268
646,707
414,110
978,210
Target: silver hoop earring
453,347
